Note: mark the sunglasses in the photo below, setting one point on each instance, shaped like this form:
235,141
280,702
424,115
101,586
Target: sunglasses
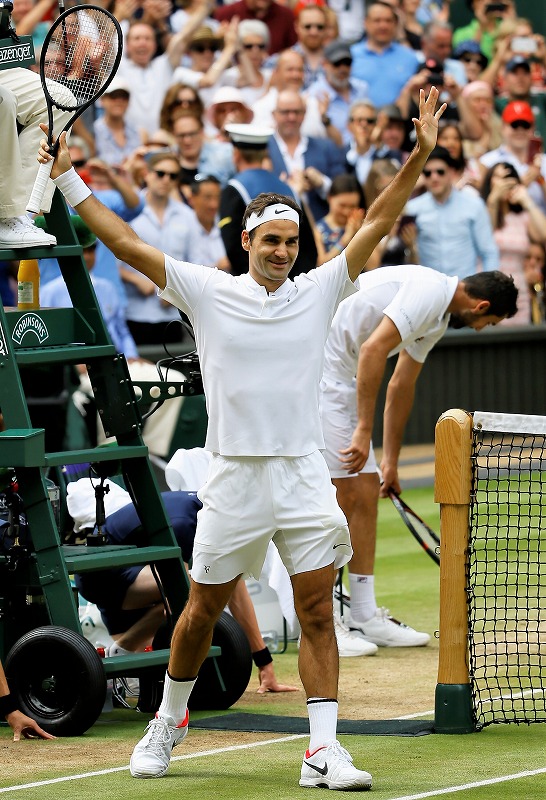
79,164
428,172
184,101
254,46
521,123
204,48
313,25
162,173
363,120
472,59
343,62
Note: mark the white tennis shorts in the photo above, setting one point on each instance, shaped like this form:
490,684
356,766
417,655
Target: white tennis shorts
339,420
249,501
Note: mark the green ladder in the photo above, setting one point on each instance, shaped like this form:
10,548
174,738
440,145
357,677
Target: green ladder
72,336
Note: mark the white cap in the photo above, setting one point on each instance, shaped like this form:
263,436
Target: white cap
256,136
117,85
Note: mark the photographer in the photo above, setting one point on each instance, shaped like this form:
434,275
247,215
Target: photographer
483,28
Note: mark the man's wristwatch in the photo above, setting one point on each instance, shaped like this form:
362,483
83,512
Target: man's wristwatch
326,120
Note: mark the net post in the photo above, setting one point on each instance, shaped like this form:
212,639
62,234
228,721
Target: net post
453,440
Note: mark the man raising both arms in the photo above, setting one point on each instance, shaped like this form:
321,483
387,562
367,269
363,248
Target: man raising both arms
260,339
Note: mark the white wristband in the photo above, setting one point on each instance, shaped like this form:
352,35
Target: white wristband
73,187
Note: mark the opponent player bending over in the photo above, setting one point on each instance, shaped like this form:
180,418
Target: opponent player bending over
400,311
260,339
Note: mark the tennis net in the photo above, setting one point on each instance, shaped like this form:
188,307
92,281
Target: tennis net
506,575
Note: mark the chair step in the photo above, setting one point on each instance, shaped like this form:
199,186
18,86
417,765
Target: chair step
57,251
80,558
134,663
94,454
74,353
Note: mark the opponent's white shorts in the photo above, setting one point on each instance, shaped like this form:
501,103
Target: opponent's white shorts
339,420
249,501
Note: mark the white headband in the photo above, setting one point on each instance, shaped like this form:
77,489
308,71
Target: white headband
278,211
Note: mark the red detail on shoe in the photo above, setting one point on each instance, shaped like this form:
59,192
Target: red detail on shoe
309,754
185,721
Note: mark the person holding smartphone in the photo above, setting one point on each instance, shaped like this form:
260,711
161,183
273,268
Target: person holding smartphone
483,28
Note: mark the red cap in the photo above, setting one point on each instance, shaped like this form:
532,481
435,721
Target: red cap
305,3
518,110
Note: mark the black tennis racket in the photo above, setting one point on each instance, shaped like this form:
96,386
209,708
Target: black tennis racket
427,538
80,56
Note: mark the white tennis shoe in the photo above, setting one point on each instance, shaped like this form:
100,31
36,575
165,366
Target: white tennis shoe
152,755
332,767
385,631
349,643
17,232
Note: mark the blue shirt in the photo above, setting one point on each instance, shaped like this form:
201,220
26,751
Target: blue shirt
107,147
105,261
386,73
453,236
55,295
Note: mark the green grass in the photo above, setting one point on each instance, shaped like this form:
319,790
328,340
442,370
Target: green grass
407,582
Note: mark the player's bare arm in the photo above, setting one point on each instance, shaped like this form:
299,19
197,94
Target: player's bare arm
384,212
109,228
398,405
372,360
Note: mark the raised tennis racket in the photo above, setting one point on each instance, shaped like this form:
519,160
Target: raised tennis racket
80,56
427,538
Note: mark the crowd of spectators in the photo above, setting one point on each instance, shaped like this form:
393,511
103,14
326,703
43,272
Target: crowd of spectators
338,83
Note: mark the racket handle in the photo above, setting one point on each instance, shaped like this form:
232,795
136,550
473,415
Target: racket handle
34,204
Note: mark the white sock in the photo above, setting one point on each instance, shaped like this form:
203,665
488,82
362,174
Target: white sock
363,605
322,722
116,650
175,698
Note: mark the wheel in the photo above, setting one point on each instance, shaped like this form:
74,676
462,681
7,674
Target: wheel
235,665
58,679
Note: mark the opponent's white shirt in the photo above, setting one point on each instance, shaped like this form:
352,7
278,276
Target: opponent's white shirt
261,354
415,298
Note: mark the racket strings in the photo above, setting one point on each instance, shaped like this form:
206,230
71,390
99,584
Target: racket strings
80,57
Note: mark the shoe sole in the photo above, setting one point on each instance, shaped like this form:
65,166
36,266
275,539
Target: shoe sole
321,783
21,245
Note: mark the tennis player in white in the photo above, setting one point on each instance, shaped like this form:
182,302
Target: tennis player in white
260,339
401,311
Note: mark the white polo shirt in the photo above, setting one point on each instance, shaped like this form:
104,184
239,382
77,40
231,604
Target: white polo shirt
261,354
415,298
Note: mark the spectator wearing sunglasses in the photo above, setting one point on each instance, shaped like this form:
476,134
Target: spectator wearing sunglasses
311,28
339,86
518,85
454,232
278,18
210,55
516,149
250,74
168,223
179,96
471,57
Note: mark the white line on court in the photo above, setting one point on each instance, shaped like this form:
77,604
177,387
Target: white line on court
200,754
475,785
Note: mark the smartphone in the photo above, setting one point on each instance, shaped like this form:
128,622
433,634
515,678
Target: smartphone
492,8
535,147
523,44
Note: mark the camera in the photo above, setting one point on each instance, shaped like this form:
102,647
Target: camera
492,8
436,78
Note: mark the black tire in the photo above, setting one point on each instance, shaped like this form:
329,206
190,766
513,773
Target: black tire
58,679
235,665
